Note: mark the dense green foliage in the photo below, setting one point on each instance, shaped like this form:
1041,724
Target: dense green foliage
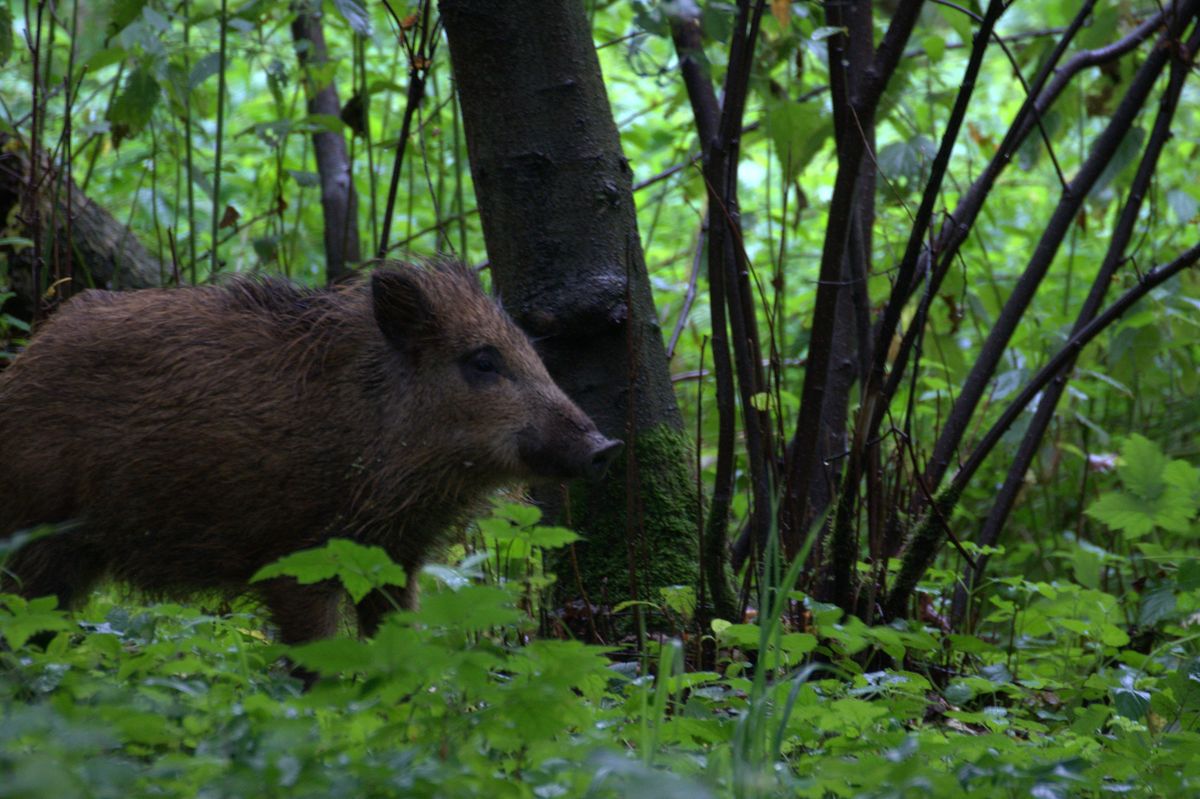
1079,673
1053,697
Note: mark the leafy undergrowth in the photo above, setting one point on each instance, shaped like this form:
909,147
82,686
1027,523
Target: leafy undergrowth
459,699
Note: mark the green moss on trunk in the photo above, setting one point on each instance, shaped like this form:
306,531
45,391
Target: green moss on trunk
640,528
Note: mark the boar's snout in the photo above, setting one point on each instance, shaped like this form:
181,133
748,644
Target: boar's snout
604,452
566,446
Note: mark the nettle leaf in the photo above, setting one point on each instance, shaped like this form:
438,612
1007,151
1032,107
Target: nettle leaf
1142,467
20,619
332,655
1160,493
520,514
1185,477
514,521
1123,512
359,568
475,608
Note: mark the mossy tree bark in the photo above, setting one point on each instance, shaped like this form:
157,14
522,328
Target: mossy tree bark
555,197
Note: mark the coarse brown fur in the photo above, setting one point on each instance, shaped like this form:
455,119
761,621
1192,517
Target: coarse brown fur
196,435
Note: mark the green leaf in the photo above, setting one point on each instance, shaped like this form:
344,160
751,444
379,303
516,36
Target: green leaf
474,609
124,12
518,513
20,619
798,644
798,131
1157,605
743,636
333,655
1130,703
552,537
680,599
1142,467
130,112
934,46
305,179
825,31
355,14
1165,494
1127,152
204,69
1101,29
1182,204
959,21
324,123
359,568
1123,512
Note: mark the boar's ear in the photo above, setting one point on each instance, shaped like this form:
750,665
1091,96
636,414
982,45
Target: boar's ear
402,310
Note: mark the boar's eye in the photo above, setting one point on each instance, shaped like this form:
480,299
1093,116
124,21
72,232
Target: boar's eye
482,366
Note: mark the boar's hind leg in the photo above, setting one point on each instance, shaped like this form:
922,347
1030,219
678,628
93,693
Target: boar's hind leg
62,564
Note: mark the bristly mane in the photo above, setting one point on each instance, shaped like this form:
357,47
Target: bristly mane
277,296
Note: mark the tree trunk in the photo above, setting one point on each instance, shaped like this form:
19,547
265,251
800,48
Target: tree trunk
81,240
339,201
554,193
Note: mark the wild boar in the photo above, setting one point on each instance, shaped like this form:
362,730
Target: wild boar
195,435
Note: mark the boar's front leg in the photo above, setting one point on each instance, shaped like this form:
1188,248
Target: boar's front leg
382,601
303,613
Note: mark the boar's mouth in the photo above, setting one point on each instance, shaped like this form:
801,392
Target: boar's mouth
582,454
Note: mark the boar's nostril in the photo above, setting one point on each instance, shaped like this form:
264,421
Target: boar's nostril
605,452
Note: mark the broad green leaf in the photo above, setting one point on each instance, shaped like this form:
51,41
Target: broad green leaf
20,619
552,537
934,46
359,568
133,107
1142,467
473,609
798,132
333,655
1123,512
1130,703
519,513
743,636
